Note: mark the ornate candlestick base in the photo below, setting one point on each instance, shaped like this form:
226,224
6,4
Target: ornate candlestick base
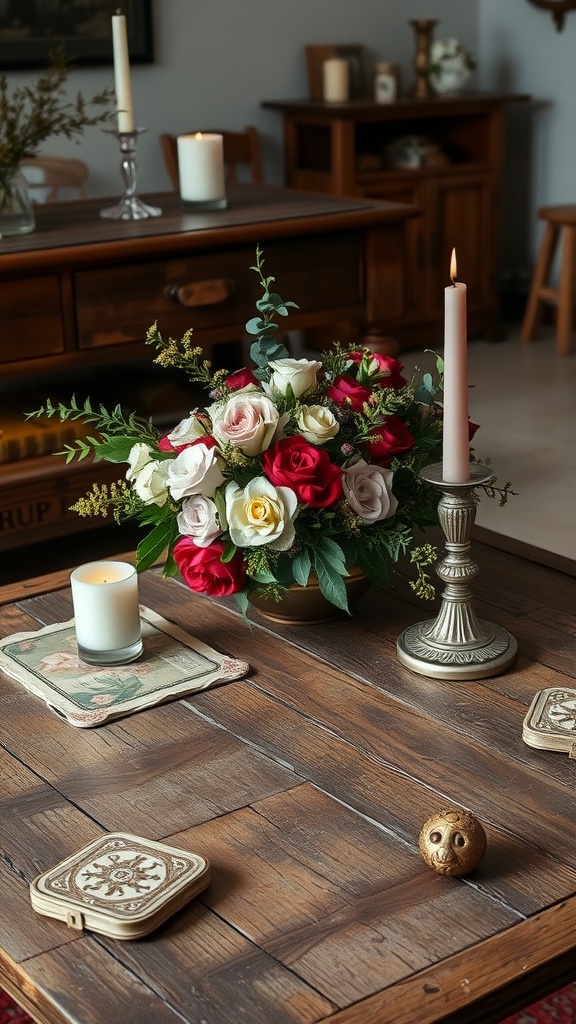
129,207
457,645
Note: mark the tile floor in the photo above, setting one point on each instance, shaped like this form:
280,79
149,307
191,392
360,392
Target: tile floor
524,397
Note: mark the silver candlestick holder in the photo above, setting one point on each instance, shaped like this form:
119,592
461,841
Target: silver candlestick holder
457,645
129,207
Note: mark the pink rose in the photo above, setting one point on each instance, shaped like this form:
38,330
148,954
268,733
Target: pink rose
248,420
204,571
307,470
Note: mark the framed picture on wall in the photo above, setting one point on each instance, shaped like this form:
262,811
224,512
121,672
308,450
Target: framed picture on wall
31,29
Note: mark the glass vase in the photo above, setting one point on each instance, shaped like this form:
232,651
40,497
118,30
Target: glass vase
16,211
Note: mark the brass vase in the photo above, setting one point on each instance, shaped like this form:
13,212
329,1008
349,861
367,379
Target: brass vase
307,606
422,88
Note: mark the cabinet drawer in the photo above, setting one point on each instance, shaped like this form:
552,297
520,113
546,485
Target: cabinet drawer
116,305
30,318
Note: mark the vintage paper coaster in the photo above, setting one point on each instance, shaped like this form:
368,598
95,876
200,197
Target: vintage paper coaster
120,885
173,664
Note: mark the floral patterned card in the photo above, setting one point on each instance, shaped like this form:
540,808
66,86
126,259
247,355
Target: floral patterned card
173,664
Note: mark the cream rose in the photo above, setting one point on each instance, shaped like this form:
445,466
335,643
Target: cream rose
189,429
248,421
317,423
368,490
198,519
194,471
300,374
261,514
138,456
150,483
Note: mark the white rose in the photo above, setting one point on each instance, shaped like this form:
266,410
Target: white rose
150,483
248,421
300,374
368,490
138,456
194,471
317,423
198,519
261,514
189,429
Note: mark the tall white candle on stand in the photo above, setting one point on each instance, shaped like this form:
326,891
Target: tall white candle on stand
456,440
106,612
122,81
201,170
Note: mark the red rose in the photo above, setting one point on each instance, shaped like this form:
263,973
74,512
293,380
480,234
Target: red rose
294,463
347,392
240,379
204,571
393,439
388,371
472,428
165,444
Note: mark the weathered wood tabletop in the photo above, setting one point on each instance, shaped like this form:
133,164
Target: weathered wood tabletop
306,785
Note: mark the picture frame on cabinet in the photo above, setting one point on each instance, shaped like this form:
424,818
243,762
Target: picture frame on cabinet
356,56
30,30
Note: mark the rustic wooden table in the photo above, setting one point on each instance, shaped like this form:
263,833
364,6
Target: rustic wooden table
306,785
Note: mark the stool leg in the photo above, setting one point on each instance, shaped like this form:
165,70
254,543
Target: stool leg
566,293
539,279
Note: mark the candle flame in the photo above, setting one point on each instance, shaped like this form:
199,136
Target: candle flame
198,135
453,267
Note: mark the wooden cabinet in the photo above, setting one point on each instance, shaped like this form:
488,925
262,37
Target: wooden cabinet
78,295
344,149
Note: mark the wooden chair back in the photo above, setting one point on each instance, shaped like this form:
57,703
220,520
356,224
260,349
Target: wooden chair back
47,175
240,148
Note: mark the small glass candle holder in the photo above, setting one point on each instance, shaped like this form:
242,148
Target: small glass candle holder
106,613
129,207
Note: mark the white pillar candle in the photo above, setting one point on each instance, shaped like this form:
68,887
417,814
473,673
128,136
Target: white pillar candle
336,84
201,169
456,438
122,83
106,612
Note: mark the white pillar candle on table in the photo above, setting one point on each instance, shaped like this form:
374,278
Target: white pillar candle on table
201,167
106,608
335,76
456,437
122,82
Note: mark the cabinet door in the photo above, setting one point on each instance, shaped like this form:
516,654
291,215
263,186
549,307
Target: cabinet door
459,216
404,190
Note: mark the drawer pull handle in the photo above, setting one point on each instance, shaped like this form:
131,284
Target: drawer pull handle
201,293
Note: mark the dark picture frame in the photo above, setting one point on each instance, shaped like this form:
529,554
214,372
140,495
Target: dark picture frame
31,29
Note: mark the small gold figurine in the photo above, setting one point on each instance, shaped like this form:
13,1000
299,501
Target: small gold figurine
452,842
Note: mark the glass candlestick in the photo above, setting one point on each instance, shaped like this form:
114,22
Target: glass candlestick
130,207
457,645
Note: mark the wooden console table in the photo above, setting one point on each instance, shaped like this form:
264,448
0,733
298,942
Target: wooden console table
342,148
80,292
306,786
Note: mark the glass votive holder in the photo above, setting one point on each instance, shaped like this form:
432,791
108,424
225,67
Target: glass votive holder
106,613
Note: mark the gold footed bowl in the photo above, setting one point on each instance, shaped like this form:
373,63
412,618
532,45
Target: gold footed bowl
307,606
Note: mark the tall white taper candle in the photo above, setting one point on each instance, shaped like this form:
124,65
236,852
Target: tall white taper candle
456,442
122,82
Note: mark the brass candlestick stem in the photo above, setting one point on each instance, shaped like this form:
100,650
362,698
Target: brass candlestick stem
422,87
129,207
457,645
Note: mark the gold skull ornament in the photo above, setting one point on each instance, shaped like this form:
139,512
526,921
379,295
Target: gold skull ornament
452,842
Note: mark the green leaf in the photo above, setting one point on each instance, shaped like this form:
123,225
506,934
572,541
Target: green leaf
331,553
152,546
230,550
116,449
301,566
330,581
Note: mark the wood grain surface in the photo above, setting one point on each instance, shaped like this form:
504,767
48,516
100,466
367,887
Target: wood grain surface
306,785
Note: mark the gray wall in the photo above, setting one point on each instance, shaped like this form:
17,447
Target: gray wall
216,60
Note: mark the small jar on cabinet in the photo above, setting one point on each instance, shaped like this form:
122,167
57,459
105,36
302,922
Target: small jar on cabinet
386,82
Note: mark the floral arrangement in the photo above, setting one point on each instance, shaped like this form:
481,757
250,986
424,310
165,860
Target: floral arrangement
31,114
450,61
297,466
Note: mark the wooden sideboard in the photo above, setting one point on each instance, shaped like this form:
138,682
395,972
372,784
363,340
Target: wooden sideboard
344,149
78,295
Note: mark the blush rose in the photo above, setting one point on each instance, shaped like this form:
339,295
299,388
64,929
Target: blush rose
368,490
248,421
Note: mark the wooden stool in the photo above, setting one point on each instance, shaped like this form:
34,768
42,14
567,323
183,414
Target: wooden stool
558,219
